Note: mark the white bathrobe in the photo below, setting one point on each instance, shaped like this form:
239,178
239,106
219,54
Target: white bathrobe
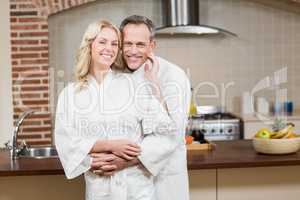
115,109
165,158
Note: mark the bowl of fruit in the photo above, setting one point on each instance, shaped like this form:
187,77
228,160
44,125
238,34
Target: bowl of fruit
280,141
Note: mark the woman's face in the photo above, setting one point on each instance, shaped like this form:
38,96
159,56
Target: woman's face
105,49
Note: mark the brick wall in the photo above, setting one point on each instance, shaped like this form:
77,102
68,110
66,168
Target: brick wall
30,64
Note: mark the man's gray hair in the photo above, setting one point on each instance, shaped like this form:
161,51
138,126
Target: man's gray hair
138,19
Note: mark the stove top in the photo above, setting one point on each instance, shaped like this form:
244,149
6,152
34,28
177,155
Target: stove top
215,116
218,126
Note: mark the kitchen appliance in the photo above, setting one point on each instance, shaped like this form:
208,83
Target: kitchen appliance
218,126
182,17
208,110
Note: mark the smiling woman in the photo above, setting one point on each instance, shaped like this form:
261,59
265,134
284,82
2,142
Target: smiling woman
93,55
6,122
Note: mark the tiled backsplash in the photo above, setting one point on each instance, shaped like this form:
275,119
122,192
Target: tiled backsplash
268,40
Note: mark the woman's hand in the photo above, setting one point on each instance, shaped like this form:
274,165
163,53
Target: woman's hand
124,149
151,72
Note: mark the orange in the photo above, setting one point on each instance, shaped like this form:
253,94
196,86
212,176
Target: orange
189,139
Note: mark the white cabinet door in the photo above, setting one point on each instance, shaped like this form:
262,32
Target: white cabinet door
203,184
262,183
54,187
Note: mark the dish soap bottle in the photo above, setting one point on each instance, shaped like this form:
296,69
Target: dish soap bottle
193,109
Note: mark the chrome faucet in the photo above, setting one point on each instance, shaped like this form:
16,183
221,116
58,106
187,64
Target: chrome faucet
14,148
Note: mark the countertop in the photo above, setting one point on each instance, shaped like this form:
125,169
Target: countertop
227,154
237,154
28,166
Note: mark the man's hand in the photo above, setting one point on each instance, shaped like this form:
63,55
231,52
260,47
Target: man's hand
120,163
101,164
108,164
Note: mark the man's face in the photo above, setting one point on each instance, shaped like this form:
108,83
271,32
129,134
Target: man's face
136,45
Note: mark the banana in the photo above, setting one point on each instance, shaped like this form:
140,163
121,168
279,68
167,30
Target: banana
289,134
273,134
288,128
278,135
284,133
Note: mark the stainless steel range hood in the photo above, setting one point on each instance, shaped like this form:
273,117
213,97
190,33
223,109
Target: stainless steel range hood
182,17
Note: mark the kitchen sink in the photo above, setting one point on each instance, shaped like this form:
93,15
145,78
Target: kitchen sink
38,152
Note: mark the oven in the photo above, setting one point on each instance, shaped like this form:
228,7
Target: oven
217,126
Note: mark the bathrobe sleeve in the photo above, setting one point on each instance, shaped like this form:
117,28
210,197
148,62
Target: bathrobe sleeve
72,145
168,128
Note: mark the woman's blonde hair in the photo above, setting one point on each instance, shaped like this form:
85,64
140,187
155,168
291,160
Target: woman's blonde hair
83,57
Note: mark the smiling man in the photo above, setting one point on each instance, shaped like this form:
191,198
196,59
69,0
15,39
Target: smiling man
138,43
168,165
